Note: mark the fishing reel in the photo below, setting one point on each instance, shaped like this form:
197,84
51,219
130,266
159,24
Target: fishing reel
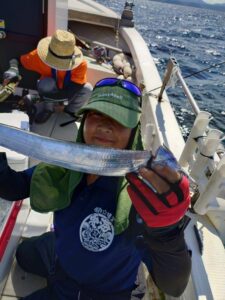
11,79
7,90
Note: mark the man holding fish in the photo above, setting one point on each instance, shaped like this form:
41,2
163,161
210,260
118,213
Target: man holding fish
104,226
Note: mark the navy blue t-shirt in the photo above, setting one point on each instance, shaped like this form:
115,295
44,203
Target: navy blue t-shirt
86,246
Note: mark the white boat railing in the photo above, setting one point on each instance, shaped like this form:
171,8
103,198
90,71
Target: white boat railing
173,70
200,159
187,92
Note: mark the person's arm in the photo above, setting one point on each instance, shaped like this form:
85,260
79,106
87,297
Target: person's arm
162,209
13,185
29,61
167,257
12,74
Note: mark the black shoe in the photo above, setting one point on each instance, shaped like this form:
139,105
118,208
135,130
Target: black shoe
43,116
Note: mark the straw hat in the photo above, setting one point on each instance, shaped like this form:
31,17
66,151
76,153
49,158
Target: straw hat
60,51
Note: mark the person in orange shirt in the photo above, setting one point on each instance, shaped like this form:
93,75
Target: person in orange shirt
63,72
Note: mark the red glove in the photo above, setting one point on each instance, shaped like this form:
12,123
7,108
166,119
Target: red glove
159,210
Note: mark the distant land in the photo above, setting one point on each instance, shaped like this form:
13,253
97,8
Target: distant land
195,3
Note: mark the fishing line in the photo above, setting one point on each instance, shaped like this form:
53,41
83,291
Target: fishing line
210,67
195,73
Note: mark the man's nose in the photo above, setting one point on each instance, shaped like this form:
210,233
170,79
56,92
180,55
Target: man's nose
106,125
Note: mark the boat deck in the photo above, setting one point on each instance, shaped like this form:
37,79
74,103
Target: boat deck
19,282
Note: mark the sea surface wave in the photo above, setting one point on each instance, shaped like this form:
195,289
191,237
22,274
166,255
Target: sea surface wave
195,37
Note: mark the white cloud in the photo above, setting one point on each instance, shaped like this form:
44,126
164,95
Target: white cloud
214,1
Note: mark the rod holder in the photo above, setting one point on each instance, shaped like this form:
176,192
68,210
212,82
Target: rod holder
206,153
199,127
215,186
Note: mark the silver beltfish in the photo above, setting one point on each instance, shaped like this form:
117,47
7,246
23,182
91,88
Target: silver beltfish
74,156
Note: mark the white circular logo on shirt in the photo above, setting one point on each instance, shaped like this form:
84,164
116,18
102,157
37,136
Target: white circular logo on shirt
96,232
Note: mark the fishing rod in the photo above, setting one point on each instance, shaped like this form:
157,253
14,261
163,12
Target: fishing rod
206,69
193,74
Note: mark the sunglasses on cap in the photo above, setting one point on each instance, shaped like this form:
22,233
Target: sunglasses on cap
127,85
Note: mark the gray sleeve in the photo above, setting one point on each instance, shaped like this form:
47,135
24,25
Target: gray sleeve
169,257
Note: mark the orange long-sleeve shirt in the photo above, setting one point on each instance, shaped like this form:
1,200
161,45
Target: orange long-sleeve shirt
31,61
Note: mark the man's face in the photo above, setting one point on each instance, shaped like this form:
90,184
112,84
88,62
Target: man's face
101,130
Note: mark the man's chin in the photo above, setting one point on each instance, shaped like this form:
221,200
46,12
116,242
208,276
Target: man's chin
105,145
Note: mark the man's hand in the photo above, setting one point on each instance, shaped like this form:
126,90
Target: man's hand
12,74
163,180
160,195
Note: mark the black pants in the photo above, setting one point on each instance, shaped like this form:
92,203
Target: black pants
36,255
169,264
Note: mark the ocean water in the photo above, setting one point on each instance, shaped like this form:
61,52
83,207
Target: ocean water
195,37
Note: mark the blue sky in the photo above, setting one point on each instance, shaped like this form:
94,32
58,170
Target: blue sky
215,1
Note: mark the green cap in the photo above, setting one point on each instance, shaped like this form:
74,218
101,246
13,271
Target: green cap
117,103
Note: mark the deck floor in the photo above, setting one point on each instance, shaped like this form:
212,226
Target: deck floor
19,282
